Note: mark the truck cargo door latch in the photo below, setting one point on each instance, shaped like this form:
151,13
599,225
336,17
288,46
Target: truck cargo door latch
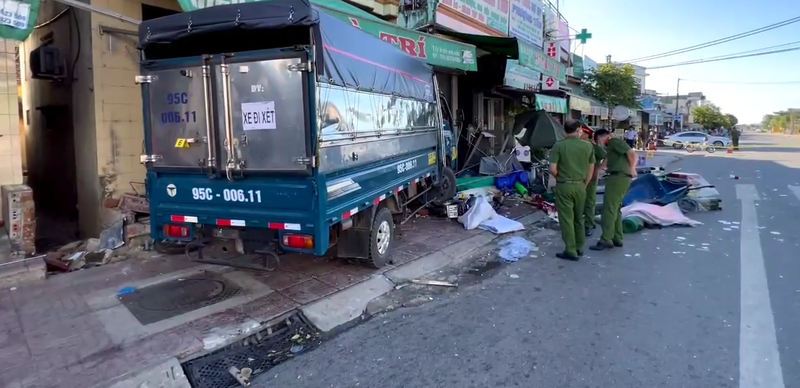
149,158
306,160
144,79
303,67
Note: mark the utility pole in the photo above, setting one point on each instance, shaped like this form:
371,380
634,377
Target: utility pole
677,97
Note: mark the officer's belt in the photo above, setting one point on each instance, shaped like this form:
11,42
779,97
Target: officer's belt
619,174
571,181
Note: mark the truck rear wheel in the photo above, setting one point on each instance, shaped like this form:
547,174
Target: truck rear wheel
381,238
446,189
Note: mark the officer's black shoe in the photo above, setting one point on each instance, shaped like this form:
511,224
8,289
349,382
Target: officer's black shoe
589,232
618,244
601,246
567,256
580,253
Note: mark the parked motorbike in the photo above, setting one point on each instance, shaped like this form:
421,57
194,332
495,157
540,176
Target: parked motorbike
692,147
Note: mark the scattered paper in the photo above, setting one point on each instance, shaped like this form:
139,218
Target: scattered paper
776,233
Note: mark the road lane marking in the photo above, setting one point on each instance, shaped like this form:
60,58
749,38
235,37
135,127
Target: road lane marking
795,190
759,359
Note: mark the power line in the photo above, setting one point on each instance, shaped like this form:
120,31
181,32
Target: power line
743,83
716,42
758,50
708,60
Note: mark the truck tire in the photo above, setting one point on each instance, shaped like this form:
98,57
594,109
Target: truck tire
446,189
381,239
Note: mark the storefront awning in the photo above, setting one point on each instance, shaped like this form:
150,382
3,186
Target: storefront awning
528,55
499,45
579,100
551,104
434,50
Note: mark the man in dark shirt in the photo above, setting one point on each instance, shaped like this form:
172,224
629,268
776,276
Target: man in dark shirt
572,165
621,168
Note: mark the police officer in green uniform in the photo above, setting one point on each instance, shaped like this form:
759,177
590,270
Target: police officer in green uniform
591,189
572,165
621,168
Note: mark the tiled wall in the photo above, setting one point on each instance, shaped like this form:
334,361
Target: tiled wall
118,100
10,149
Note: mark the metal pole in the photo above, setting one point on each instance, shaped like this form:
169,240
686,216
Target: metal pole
90,8
677,97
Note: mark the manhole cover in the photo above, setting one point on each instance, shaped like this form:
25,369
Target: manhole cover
179,296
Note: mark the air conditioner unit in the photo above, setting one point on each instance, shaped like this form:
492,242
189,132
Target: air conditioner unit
47,63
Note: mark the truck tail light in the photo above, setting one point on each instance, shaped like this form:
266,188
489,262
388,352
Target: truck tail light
176,231
298,241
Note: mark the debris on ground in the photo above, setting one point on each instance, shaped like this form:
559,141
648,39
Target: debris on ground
426,282
515,248
126,229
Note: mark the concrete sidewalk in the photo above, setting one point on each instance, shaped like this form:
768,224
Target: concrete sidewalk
73,330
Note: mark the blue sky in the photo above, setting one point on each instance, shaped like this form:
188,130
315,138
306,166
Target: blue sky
628,29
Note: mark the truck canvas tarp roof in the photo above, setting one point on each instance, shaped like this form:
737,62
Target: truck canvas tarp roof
347,56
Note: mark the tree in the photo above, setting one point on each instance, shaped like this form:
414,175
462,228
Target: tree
613,85
709,116
730,121
787,121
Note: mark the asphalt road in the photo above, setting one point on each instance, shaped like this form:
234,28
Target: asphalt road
665,311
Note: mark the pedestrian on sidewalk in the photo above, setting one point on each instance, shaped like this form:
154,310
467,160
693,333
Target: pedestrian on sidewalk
591,188
735,138
572,166
621,168
630,137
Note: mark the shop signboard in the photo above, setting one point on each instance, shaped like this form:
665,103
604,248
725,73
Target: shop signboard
491,13
578,70
589,63
527,21
549,83
433,50
550,23
521,77
563,39
536,59
580,104
600,111
551,104
648,103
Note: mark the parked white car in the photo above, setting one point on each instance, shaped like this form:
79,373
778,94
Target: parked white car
678,140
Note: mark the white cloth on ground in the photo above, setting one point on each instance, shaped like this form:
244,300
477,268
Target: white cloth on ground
670,214
481,215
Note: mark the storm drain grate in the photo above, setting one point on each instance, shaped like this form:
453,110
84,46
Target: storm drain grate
179,296
260,353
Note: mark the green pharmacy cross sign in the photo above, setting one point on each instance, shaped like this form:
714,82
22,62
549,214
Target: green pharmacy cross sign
583,36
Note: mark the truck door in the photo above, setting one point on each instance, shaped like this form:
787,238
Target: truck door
270,119
175,100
